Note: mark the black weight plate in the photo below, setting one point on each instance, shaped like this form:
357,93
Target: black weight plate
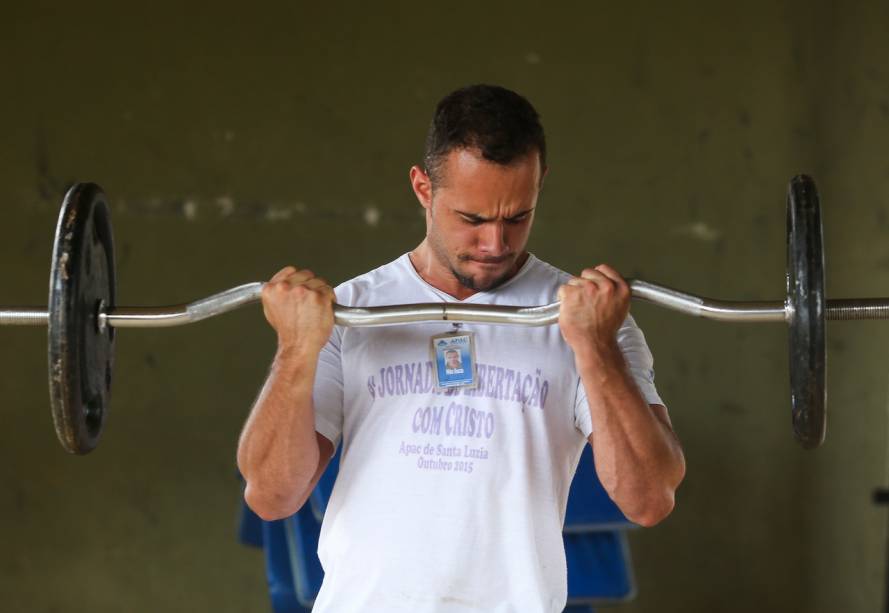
807,304
81,355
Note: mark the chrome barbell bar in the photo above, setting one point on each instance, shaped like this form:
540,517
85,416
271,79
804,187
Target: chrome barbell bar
355,317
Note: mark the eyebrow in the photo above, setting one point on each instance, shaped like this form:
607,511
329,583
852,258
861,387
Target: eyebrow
481,218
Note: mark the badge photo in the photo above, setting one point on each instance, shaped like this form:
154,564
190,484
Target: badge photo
453,355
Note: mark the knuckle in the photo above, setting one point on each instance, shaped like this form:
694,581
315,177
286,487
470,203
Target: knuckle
284,272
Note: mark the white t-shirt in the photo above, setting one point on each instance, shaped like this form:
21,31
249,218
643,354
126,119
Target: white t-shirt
452,501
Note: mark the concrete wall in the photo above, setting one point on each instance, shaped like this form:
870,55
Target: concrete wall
234,140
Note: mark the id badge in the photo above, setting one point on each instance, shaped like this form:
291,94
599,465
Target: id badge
453,355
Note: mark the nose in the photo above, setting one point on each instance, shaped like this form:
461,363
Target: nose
492,239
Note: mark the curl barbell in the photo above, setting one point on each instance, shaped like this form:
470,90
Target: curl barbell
82,315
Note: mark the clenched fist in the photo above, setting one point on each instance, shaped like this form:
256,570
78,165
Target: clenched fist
593,308
299,306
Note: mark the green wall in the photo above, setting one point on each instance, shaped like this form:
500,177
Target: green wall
233,140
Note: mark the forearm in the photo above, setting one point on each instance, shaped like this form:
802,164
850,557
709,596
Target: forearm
278,450
638,458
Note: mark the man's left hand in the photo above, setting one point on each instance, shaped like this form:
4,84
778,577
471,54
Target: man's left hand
593,308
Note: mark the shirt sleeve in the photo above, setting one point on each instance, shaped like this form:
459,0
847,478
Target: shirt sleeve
640,363
327,395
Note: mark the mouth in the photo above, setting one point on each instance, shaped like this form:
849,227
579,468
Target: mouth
483,273
492,262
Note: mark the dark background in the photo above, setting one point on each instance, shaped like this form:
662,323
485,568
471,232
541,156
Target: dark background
233,139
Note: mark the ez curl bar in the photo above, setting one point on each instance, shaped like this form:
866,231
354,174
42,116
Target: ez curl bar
82,315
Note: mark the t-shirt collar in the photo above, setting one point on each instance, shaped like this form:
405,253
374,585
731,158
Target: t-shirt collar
476,297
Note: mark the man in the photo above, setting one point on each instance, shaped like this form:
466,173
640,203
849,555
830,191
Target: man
453,498
453,365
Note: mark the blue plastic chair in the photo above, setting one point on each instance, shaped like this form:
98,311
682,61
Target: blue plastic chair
273,537
279,565
599,568
302,538
589,507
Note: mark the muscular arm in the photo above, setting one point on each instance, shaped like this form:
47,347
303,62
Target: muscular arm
279,454
638,457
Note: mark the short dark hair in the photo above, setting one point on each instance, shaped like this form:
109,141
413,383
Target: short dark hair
498,122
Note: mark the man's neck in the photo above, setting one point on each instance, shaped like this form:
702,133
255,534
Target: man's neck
439,276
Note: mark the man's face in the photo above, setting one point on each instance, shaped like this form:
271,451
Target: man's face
480,215
453,359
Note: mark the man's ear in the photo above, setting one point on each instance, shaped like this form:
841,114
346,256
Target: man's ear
422,185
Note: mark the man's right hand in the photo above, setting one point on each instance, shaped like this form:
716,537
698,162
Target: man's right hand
299,306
